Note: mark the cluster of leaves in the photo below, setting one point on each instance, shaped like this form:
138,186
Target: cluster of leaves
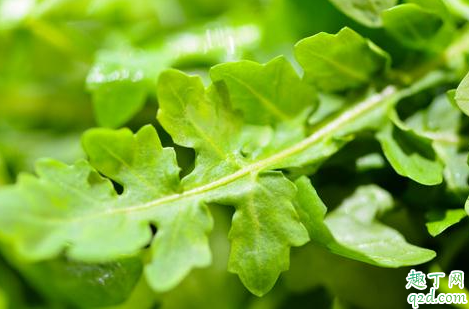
335,156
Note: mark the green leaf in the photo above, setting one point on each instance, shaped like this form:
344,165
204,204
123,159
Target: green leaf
441,122
93,285
117,102
366,12
122,78
440,221
417,27
120,82
186,112
272,93
352,229
131,200
456,172
462,95
258,256
77,210
410,154
458,7
138,162
339,61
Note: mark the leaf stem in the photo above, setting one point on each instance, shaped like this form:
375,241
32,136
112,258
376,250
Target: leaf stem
363,108
389,95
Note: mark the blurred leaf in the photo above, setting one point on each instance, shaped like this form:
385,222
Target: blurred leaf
187,112
21,149
142,297
352,230
211,287
129,198
93,285
462,95
367,12
313,267
439,222
122,78
120,81
370,161
418,27
3,300
458,7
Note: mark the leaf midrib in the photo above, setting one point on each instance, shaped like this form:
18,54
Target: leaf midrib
268,104
390,93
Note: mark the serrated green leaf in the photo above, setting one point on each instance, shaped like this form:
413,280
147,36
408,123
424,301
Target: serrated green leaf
122,78
410,154
440,221
76,209
352,230
366,12
76,198
258,256
187,112
138,163
339,61
181,95
273,92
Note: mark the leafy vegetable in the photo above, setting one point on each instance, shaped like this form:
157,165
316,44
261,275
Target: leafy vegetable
195,118
305,171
